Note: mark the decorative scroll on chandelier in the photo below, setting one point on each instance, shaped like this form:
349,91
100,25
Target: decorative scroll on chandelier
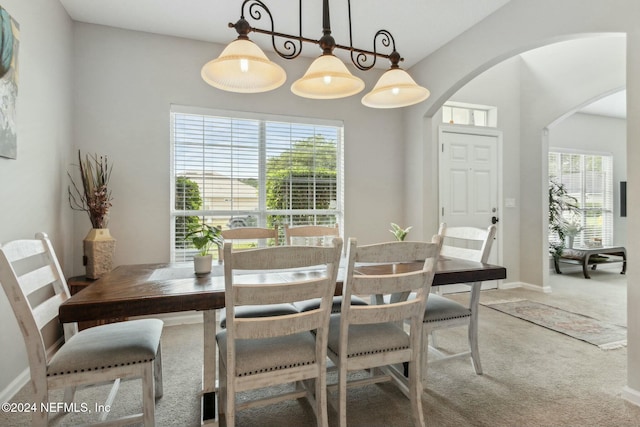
243,67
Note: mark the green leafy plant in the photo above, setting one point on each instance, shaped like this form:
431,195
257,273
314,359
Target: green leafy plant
93,195
399,232
204,237
560,202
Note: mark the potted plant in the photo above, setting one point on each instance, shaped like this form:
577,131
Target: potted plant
560,202
203,237
399,232
91,194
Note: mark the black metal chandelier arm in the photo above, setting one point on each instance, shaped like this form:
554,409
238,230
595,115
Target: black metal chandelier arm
366,60
289,49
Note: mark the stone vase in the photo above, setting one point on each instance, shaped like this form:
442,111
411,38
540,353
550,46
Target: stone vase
99,248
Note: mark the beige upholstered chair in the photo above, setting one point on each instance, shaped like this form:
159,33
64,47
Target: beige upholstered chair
267,235
32,279
257,352
316,235
472,244
310,235
366,337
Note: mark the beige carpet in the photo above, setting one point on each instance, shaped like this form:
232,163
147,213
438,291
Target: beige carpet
533,376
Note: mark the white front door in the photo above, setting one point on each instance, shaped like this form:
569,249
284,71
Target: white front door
468,188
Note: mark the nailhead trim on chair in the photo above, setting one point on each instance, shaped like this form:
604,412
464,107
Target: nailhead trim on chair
370,352
445,318
277,368
97,368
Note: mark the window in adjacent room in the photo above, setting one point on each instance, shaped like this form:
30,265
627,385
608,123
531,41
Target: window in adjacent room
589,179
469,114
242,169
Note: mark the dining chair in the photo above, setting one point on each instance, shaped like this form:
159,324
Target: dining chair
259,352
253,233
266,235
35,286
372,336
310,235
469,243
316,235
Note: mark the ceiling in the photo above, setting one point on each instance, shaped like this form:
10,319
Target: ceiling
419,26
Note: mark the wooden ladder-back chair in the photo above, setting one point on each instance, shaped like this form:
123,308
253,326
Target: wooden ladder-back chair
469,243
310,235
316,235
372,336
35,286
253,233
257,352
249,233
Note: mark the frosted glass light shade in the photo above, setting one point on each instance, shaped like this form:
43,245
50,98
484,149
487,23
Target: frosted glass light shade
243,67
395,89
327,78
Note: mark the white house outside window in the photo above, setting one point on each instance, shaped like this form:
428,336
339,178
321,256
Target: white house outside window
242,169
589,179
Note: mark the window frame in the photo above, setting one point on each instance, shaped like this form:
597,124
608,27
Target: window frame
262,212
607,211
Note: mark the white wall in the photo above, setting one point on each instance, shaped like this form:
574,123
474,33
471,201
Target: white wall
32,187
125,83
518,27
598,134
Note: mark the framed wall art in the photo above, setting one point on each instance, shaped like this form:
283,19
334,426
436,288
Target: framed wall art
9,42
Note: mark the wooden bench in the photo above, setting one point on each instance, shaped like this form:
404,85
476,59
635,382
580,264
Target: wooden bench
593,257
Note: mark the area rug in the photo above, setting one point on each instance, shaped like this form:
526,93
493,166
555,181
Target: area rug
605,335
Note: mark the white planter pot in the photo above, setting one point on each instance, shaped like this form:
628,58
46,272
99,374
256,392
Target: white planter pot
202,264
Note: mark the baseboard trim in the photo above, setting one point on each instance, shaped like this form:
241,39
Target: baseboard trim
537,288
631,395
15,386
510,285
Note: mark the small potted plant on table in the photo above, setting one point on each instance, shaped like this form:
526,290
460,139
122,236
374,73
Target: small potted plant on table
204,237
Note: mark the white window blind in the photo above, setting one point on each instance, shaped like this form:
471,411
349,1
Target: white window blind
589,179
239,169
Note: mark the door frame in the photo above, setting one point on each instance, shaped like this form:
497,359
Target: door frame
481,131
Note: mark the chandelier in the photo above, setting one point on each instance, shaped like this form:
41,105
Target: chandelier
243,67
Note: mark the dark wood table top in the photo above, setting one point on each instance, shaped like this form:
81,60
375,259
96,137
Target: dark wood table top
147,289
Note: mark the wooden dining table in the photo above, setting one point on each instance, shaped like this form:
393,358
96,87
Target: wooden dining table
151,289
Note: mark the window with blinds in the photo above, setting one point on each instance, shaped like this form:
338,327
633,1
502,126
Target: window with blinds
249,170
589,179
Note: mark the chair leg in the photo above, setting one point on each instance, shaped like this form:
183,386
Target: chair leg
473,344
322,418
342,396
157,372
424,359
69,395
41,398
148,391
415,393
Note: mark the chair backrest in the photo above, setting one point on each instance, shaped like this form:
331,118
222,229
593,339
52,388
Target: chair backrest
249,233
275,285
311,235
470,243
35,286
397,284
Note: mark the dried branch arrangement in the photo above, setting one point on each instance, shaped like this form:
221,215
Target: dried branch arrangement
93,196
